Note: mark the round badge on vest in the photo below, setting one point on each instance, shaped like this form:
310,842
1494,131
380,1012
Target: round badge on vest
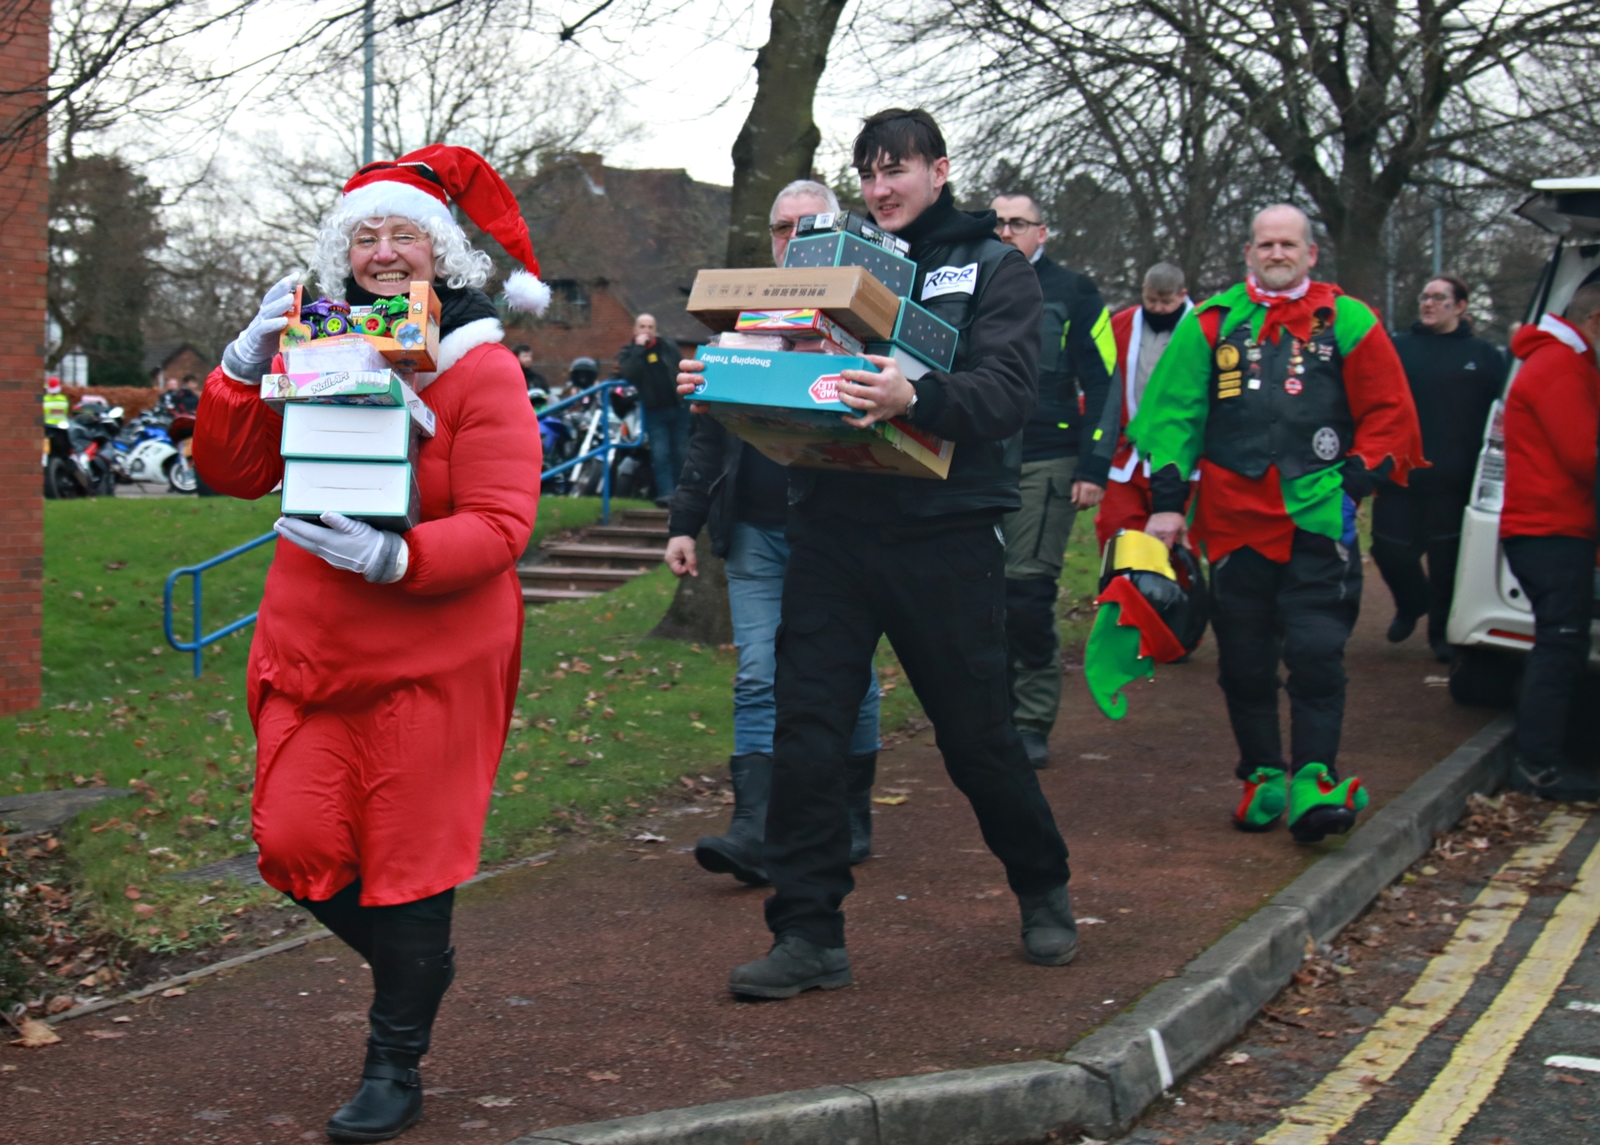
1293,385
1325,444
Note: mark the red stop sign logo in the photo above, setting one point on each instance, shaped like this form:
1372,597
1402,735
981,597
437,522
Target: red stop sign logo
826,389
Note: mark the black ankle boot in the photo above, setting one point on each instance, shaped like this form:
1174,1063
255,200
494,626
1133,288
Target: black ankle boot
388,1103
862,774
738,851
407,992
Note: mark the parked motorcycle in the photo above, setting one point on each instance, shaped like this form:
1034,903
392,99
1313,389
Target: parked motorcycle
79,460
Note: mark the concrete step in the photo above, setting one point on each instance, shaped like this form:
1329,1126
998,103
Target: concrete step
553,595
636,534
583,555
631,516
575,576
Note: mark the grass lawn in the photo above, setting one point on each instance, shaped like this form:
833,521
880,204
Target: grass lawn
607,717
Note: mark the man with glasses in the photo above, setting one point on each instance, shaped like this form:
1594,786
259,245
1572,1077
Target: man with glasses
743,496
1066,456
1455,377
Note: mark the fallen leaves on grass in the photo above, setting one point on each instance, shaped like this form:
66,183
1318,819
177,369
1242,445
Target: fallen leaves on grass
493,1102
890,800
1236,1058
106,1035
174,992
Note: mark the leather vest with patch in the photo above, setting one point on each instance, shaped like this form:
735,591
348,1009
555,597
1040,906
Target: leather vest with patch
1278,403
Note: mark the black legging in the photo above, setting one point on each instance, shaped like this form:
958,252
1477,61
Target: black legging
408,947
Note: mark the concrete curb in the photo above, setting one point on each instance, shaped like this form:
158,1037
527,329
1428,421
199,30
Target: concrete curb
1105,1081
237,960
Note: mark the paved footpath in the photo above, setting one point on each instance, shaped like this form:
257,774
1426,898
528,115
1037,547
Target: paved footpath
594,986
1490,1036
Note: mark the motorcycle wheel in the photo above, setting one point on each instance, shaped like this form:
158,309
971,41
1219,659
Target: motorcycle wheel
181,477
59,483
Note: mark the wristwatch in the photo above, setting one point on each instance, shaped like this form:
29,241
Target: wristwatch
911,405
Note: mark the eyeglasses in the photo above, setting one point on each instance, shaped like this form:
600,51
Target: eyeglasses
403,240
781,230
1015,225
1434,296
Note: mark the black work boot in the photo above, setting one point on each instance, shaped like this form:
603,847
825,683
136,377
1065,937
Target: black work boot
1049,932
792,965
407,993
862,774
738,851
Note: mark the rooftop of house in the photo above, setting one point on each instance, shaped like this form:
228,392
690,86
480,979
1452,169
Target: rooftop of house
642,234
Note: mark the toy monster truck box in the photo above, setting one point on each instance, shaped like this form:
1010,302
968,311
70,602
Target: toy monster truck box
849,294
787,406
410,338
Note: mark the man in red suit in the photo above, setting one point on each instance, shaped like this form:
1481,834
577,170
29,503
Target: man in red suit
1547,527
1142,333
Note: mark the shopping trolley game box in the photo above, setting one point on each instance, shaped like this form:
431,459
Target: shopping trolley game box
786,404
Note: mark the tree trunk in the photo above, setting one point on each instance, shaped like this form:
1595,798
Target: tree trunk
775,147
699,611
779,139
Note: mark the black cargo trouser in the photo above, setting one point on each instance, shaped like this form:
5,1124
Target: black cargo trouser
1557,573
1300,612
941,601
1408,524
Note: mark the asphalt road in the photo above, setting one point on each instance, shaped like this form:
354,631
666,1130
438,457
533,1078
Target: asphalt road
1493,1038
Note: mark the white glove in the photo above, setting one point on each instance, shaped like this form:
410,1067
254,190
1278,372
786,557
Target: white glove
354,546
248,355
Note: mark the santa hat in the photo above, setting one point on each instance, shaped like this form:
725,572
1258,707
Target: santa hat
422,184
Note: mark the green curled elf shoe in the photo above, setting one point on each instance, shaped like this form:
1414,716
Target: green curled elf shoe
1320,805
1264,800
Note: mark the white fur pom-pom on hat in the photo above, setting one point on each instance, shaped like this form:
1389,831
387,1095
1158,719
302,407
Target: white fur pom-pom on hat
525,291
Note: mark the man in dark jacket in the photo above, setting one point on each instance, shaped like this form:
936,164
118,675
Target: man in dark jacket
920,561
1066,457
743,496
1455,378
646,364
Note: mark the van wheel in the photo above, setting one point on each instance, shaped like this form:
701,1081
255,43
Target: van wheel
1481,678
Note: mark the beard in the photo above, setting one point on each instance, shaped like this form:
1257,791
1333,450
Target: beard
1280,276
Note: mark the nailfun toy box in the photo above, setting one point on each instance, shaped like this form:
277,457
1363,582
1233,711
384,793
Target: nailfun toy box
786,404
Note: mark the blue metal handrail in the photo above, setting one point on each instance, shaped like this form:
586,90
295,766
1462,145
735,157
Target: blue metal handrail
606,447
198,644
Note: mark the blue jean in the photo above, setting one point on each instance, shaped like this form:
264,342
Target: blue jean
756,562
668,430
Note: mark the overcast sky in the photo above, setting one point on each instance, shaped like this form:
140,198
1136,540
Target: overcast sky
686,78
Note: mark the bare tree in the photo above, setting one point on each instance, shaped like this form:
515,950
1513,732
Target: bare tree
1352,100
779,139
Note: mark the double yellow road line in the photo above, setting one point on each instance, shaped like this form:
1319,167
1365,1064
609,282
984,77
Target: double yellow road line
1467,1080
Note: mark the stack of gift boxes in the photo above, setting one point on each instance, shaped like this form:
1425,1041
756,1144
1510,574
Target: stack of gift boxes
351,419
772,372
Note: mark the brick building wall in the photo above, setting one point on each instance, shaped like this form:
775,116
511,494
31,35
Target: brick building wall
599,335
24,191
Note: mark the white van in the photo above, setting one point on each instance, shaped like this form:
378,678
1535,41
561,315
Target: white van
1491,621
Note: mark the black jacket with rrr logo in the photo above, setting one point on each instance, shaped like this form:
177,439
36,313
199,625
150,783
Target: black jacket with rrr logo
989,293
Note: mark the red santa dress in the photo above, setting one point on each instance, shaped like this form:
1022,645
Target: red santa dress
381,711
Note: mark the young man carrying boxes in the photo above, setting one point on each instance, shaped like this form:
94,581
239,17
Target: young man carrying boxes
920,559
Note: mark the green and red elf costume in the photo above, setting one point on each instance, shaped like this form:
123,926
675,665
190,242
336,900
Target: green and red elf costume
1288,403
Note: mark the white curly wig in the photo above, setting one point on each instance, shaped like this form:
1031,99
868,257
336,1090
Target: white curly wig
454,259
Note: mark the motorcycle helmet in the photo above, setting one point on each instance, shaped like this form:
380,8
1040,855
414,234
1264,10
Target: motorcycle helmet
1170,580
583,372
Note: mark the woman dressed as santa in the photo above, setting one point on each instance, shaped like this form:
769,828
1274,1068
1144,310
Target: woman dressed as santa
384,666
